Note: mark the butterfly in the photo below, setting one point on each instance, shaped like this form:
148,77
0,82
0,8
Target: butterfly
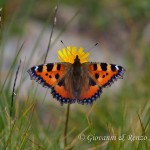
76,81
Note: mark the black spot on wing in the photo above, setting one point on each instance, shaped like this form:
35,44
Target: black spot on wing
104,66
61,82
56,75
58,66
113,67
121,69
50,67
92,82
95,67
96,75
40,68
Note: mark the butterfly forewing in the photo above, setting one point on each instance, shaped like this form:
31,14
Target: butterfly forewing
105,74
47,74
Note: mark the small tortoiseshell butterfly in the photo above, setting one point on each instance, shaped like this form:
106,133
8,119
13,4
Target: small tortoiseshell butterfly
75,79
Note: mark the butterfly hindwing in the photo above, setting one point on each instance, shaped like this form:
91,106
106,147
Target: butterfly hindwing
91,93
62,95
105,74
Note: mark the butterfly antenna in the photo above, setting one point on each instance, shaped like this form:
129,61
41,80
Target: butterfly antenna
66,46
91,48
63,43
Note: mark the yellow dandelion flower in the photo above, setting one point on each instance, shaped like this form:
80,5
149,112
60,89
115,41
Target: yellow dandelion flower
69,54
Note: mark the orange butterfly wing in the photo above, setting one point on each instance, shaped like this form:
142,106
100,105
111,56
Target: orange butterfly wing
100,75
90,95
51,76
105,74
47,74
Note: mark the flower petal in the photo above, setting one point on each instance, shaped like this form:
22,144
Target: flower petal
69,54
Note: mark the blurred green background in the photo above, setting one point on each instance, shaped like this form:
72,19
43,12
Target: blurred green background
122,28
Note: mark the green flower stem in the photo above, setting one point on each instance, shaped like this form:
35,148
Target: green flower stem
66,124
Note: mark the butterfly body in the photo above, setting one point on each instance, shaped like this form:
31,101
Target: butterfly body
76,82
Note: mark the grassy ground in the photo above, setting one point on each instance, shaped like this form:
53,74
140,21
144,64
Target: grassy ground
117,121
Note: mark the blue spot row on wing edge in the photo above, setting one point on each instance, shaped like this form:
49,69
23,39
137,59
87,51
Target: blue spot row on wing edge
70,101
